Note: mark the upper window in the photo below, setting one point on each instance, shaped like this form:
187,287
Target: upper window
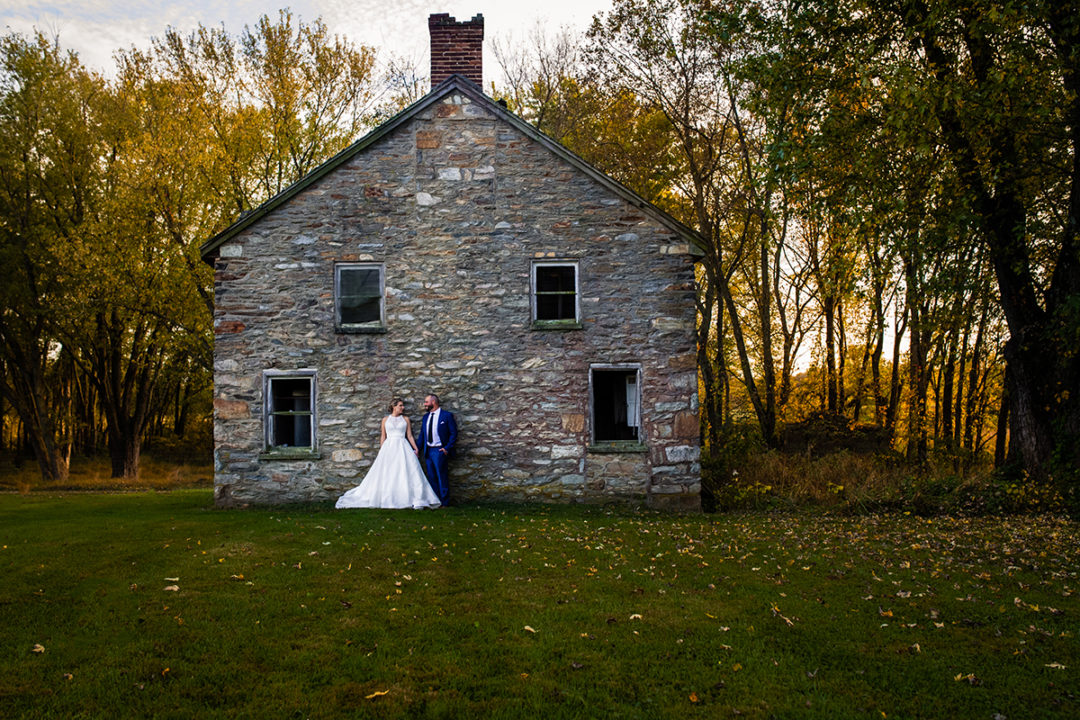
555,295
616,406
359,289
289,412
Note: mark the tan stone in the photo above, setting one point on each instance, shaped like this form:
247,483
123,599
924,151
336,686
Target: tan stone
687,425
574,423
682,362
230,326
428,139
231,409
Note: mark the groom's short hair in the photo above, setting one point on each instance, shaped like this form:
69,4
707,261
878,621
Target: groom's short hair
434,397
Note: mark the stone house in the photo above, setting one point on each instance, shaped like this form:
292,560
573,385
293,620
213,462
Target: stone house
457,250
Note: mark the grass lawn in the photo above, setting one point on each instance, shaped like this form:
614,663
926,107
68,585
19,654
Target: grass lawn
156,604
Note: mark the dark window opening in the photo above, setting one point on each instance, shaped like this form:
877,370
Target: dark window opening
615,405
290,412
556,292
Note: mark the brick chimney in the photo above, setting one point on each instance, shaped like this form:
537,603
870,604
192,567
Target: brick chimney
456,47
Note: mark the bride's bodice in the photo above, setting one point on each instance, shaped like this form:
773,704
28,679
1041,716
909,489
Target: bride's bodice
395,426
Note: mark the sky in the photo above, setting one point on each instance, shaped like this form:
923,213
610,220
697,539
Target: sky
96,28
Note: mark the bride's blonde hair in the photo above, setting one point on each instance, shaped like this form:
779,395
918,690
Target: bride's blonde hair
394,402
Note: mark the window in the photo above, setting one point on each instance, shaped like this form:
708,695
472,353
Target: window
555,295
358,297
616,406
290,402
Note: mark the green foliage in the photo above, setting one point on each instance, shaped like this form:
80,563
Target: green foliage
722,487
107,189
155,604
961,115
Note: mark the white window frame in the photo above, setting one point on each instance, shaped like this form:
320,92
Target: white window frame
637,445
272,451
565,324
367,327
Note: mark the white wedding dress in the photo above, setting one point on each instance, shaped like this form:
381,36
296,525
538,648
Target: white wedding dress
395,479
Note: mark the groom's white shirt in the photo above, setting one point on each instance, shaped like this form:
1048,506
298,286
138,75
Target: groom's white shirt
433,418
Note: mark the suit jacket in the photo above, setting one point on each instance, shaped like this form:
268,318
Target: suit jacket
447,430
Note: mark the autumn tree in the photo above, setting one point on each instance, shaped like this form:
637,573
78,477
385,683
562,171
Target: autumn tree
49,181
109,187
991,88
665,52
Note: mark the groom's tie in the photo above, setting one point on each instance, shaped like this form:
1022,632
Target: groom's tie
430,425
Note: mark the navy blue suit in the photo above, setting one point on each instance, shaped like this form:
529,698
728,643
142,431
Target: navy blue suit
435,460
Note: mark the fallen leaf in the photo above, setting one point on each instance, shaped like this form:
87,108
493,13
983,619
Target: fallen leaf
175,579
693,697
377,693
776,612
38,648
970,677
635,616
529,629
171,588
1056,666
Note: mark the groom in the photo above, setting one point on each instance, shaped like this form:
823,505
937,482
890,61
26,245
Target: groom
438,433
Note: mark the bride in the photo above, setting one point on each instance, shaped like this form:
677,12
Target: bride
395,479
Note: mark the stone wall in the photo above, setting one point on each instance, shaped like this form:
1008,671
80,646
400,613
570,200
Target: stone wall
457,204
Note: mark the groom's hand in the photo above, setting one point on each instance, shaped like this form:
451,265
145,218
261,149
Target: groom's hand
443,451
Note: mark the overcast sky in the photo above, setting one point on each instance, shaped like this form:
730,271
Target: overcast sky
96,28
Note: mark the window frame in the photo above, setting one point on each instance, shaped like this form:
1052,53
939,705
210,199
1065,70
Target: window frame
374,326
279,452
617,446
562,324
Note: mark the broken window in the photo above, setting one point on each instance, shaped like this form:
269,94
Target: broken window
616,404
290,410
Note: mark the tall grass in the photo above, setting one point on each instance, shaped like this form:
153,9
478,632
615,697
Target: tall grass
157,471
851,482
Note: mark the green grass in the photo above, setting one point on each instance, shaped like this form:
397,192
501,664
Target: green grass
308,612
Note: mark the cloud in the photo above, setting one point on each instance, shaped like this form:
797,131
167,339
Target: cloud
95,29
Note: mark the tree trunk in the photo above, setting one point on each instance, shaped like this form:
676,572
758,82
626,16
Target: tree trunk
946,396
841,359
710,417
125,448
1001,442
828,307
974,374
896,385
